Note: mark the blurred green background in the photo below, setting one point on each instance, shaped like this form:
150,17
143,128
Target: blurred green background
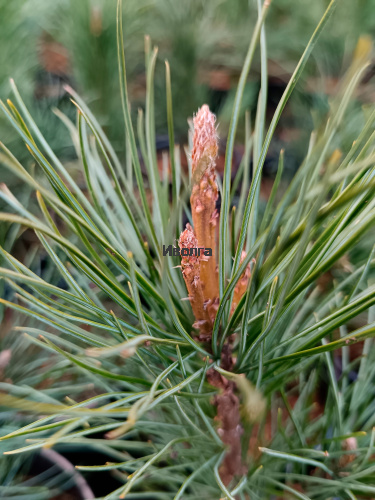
45,44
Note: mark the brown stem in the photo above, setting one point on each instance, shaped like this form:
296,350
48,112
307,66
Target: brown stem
228,416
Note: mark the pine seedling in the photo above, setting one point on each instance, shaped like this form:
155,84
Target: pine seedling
252,388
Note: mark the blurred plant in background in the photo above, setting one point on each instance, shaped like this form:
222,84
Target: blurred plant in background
45,44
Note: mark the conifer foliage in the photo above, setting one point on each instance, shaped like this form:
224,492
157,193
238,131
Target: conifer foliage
261,384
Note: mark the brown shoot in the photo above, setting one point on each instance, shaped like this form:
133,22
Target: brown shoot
204,196
191,271
241,285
